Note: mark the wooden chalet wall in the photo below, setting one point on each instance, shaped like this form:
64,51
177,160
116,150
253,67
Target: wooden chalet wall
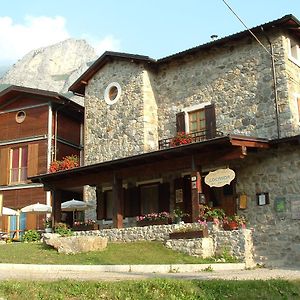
67,135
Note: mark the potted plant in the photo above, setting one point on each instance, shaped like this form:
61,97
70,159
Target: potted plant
162,218
85,225
178,214
48,225
181,138
196,230
215,215
234,222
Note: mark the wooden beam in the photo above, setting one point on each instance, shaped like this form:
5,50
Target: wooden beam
252,144
56,206
117,194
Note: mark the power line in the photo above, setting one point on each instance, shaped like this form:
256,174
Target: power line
256,38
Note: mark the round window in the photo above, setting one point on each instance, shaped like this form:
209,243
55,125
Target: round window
112,93
20,116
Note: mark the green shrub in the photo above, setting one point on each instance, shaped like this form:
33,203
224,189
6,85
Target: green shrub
62,229
31,236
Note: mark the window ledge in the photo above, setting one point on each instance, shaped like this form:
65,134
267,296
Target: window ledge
294,60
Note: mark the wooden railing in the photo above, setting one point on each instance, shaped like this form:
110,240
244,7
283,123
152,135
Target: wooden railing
187,138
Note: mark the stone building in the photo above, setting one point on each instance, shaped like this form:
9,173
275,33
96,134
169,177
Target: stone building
239,101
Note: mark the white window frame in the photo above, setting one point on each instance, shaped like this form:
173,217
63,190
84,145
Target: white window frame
189,109
296,59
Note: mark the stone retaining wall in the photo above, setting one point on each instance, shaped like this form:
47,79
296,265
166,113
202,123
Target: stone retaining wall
238,243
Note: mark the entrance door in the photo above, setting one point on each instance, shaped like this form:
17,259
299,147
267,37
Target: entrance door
222,197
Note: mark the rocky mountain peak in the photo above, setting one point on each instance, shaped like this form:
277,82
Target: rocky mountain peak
52,67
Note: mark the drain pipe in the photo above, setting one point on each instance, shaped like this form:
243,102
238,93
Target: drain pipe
274,82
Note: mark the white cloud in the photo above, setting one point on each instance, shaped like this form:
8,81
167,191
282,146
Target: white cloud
108,43
18,39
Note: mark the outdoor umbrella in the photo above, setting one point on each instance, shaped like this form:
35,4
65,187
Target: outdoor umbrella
37,208
9,212
74,205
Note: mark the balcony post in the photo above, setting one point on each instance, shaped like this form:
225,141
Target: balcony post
117,202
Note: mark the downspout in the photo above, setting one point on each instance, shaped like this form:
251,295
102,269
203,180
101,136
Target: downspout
274,83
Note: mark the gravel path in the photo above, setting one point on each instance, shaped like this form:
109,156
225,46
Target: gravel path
263,274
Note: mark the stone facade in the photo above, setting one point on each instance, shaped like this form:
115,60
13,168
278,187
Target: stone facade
236,77
276,234
238,243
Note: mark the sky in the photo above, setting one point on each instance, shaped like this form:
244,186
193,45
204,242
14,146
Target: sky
156,28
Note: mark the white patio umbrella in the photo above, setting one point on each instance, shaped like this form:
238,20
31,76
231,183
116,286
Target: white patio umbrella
74,205
37,208
9,212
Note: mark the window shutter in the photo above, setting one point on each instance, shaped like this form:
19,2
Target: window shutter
164,197
180,122
133,202
32,163
4,166
210,121
100,204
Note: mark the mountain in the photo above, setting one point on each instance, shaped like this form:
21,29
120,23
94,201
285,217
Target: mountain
53,68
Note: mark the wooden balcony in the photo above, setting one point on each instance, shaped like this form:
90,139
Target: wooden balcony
187,138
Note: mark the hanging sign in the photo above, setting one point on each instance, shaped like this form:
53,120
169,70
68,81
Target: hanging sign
219,177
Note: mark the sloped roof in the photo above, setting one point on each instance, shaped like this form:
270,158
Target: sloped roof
78,87
14,91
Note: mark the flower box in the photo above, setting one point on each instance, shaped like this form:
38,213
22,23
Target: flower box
189,234
83,227
152,222
231,225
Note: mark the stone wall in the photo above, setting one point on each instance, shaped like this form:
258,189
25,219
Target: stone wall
236,77
118,130
292,71
238,242
276,235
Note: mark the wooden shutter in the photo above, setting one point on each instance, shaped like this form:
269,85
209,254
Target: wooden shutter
100,210
164,197
4,166
180,122
33,159
210,121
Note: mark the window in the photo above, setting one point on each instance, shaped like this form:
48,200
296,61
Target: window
149,198
294,51
197,120
112,93
18,165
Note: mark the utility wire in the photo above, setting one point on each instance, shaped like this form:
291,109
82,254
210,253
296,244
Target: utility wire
256,38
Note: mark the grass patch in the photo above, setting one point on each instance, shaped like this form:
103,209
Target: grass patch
114,254
152,289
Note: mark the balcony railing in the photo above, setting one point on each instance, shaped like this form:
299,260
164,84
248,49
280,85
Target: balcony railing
187,138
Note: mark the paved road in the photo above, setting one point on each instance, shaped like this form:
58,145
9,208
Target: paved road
290,274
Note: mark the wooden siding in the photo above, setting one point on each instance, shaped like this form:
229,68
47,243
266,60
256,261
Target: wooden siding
65,150
19,198
68,128
37,156
35,123
22,101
